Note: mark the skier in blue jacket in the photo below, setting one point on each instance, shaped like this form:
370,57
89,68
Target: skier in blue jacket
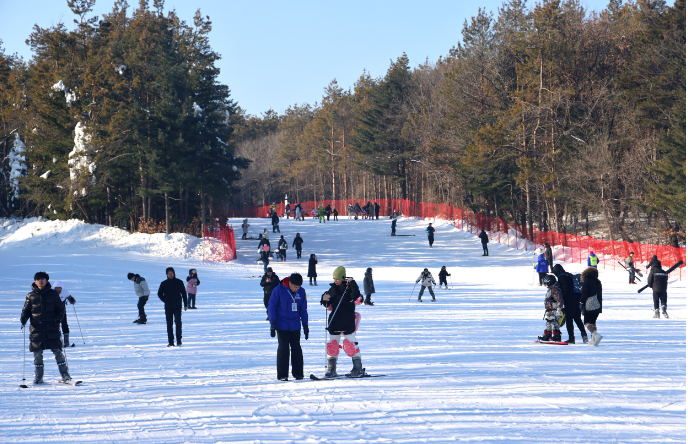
287,311
542,267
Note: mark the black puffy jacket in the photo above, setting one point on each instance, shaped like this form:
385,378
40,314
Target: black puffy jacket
298,240
312,261
172,292
657,279
269,283
566,285
591,286
45,309
342,318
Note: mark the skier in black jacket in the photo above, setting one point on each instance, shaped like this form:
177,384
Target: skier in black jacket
269,281
658,280
45,310
571,304
298,240
172,292
443,277
484,240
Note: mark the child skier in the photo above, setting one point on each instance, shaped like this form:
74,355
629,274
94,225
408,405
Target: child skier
192,282
426,280
65,296
443,277
554,302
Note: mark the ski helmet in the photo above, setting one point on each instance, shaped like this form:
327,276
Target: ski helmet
549,280
339,273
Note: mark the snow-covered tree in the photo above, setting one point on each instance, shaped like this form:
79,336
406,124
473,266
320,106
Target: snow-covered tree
17,164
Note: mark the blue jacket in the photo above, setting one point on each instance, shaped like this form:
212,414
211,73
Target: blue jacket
542,265
279,308
596,260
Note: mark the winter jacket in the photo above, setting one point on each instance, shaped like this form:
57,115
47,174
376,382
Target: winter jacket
321,211
593,260
45,309
629,262
566,285
430,231
280,307
141,286
298,240
426,279
553,299
541,266
335,212
368,286
548,255
652,262
191,284
342,318
311,266
328,209
282,244
172,292
269,283
376,207
483,237
443,275
64,294
275,219
657,279
592,287
244,226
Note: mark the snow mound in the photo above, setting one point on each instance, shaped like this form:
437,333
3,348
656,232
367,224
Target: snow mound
77,234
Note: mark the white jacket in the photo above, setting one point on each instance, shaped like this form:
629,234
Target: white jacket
64,294
427,280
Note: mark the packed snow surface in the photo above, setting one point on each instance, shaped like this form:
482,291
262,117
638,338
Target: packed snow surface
462,369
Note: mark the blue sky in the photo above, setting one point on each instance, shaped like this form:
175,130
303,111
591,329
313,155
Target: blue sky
278,53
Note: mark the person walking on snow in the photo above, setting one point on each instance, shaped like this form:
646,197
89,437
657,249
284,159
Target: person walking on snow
65,296
376,208
571,304
298,241
554,303
244,229
335,213
45,310
592,260
484,240
591,302
630,266
431,234
269,281
265,255
142,291
426,280
312,274
341,300
321,214
328,211
275,222
548,256
658,279
443,277
287,211
368,285
541,267
287,311
192,283
282,246
172,293
394,227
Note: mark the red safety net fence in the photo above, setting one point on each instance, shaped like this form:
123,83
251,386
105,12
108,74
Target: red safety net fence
565,247
218,243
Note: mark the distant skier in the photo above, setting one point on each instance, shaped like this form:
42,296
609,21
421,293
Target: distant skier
368,285
282,247
658,280
591,302
443,277
431,234
571,303
172,293
541,267
548,256
394,227
192,283
554,303
244,229
341,300
592,260
426,280
142,291
288,310
45,310
269,281
312,274
298,241
630,267
65,296
484,240
275,222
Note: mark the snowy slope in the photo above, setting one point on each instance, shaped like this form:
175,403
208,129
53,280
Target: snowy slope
461,369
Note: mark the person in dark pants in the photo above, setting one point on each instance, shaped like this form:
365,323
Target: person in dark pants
394,227
66,297
312,274
172,292
571,304
484,240
298,240
377,211
658,279
630,267
142,291
269,282
287,311
275,222
443,277
541,267
548,256
431,234
335,213
328,210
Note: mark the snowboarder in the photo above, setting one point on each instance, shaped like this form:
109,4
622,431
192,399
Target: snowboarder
269,281
65,296
431,234
298,240
275,222
312,274
394,227
592,260
426,280
630,266
548,256
335,214
571,304
288,310
443,277
658,279
484,240
282,247
341,301
192,283
244,229
172,293
368,286
142,291
591,302
45,310
554,303
541,267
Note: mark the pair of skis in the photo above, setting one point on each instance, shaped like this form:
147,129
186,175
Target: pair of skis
329,378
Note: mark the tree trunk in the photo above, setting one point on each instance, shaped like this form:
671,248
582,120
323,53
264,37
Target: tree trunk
202,214
167,214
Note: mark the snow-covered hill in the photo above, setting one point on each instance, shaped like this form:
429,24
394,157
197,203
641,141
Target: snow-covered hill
464,368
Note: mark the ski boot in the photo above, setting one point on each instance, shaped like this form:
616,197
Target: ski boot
656,316
357,371
664,312
38,378
556,337
546,336
331,367
64,371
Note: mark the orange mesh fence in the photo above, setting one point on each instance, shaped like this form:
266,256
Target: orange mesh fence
218,243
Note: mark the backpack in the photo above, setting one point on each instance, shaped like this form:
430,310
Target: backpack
577,284
266,248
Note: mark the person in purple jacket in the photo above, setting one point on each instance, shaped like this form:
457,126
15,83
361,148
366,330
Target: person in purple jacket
287,311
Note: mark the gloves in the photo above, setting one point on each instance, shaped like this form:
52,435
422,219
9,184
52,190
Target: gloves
71,299
273,330
305,332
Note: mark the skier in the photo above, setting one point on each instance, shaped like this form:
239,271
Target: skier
394,215
591,302
288,310
244,229
192,283
368,286
341,300
312,275
45,310
426,280
658,279
376,208
548,256
282,246
65,296
328,211
630,266
394,227
484,240
554,302
571,304
142,291
298,240
275,222
269,281
321,214
335,214
443,277
431,234
172,292
592,260
541,267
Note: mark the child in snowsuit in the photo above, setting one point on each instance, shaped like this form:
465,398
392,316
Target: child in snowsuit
192,282
554,302
427,281
142,291
65,296
443,277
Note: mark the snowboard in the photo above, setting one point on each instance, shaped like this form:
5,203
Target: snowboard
551,342
365,375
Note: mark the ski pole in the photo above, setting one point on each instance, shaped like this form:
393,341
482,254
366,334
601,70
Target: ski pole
77,323
414,289
451,281
24,365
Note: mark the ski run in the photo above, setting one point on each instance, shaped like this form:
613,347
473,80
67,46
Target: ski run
462,369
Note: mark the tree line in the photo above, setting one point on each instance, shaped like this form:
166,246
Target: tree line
546,116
